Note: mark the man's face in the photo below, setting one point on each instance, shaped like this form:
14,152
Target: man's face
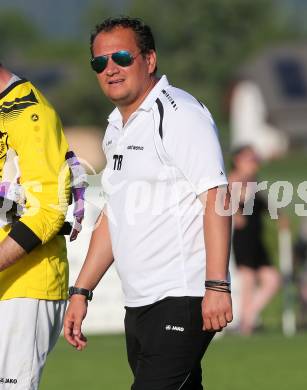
124,86
248,162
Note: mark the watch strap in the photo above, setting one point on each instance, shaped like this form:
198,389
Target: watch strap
81,291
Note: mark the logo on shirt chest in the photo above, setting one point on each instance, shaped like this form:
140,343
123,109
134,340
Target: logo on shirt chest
3,144
135,147
109,143
118,158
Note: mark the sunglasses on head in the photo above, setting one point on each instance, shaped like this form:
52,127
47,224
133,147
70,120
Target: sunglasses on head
121,58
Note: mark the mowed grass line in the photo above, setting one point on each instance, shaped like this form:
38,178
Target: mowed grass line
262,362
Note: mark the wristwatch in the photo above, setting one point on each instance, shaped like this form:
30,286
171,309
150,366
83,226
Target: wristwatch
82,291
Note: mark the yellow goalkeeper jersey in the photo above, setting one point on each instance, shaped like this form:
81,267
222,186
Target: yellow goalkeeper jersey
30,126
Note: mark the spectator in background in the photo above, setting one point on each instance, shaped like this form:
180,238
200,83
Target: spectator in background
259,279
300,268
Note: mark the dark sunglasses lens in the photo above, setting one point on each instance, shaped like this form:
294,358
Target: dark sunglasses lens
99,63
122,58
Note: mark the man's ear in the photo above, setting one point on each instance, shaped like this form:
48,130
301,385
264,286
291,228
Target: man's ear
151,59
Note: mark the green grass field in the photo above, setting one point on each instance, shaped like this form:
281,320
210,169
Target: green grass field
263,362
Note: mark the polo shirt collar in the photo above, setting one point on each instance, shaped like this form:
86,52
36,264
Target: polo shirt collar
115,117
154,93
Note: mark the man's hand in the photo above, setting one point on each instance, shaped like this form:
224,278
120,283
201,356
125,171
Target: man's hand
216,310
74,316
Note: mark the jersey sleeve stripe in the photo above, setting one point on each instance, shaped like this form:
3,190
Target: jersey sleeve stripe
12,86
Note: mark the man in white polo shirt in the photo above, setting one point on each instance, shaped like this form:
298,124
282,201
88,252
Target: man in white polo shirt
164,168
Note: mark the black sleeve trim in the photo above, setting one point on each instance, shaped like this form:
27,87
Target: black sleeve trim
161,112
12,86
24,236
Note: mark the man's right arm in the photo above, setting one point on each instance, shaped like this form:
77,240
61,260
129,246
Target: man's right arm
98,259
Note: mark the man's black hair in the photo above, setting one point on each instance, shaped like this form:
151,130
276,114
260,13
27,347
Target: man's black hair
144,37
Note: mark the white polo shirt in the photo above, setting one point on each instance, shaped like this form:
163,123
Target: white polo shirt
166,154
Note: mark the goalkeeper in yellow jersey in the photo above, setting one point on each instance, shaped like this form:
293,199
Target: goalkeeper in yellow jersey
33,258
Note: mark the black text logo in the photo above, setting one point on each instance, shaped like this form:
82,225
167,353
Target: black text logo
135,147
8,380
118,159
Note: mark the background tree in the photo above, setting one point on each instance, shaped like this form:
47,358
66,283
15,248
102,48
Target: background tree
201,44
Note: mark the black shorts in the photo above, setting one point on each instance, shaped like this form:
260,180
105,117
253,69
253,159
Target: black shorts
165,344
249,251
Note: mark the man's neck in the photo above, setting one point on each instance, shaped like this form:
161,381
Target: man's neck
127,111
5,77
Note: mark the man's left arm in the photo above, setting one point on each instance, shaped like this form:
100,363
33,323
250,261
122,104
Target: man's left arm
192,143
216,305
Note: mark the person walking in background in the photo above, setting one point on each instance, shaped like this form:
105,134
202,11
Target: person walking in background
164,167
33,259
260,280
300,272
